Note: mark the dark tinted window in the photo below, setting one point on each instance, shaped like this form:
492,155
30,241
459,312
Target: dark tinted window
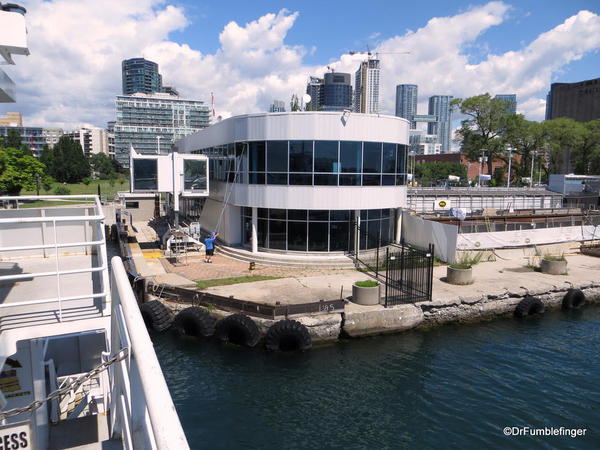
194,177
338,236
389,158
296,214
372,157
277,178
326,156
326,180
277,155
257,156
401,159
145,176
317,236
297,236
301,156
277,214
277,237
351,156
316,214
371,180
301,178
349,180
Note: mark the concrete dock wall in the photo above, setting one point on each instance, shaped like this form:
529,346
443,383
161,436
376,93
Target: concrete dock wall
368,321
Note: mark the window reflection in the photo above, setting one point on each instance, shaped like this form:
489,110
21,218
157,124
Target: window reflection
194,177
145,174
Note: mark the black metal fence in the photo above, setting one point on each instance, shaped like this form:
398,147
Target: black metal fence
406,272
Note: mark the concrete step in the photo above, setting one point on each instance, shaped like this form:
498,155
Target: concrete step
274,259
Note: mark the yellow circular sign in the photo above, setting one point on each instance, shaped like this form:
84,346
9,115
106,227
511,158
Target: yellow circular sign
442,204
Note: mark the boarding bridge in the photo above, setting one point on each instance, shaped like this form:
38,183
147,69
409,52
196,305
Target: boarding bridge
78,366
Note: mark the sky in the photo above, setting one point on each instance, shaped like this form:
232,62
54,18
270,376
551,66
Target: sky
251,53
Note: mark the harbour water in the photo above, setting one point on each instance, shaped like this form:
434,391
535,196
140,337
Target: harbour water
449,387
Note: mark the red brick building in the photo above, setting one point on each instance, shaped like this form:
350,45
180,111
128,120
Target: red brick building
472,167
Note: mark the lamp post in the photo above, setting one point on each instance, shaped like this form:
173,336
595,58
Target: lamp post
510,149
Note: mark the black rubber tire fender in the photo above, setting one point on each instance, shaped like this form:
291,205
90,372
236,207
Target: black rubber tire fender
156,315
194,321
529,306
288,335
238,329
573,299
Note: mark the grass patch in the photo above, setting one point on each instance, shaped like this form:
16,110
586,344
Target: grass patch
85,189
367,283
42,203
203,284
560,257
460,266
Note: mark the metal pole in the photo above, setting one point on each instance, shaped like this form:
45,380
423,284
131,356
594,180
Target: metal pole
377,264
532,160
509,165
387,277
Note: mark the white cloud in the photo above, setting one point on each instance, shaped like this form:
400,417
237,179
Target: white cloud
77,46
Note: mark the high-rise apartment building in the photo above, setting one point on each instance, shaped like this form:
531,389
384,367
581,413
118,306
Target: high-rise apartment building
333,92
277,106
337,92
424,144
439,106
34,137
92,140
110,137
314,88
406,102
366,87
152,122
510,100
140,75
579,101
11,120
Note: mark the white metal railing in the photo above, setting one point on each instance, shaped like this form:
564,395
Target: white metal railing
95,240
142,411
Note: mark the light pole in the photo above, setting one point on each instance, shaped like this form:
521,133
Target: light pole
532,161
482,160
510,149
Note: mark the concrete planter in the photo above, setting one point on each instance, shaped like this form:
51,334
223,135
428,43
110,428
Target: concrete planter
365,295
553,267
459,276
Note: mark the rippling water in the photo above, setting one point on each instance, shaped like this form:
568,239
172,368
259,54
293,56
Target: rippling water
450,387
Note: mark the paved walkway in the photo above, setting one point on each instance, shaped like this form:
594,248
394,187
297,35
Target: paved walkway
508,273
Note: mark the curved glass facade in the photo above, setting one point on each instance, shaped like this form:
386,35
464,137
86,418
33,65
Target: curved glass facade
303,230
310,162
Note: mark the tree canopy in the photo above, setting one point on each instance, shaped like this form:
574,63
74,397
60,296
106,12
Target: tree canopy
18,170
429,173
557,146
103,166
66,162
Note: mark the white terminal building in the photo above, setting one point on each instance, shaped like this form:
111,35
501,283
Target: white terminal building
303,181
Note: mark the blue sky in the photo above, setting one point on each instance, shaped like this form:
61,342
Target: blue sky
333,28
251,53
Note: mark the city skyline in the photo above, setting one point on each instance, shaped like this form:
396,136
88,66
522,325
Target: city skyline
261,55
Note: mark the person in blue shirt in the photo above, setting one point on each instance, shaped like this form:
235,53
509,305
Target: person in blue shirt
209,243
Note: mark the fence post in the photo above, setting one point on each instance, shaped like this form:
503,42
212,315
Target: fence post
387,270
377,265
430,271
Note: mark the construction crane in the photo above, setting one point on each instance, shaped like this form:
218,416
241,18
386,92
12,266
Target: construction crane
370,53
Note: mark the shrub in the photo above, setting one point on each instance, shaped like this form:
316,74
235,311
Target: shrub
467,259
86,181
61,190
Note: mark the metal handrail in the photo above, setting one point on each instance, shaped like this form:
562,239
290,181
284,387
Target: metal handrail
99,243
139,391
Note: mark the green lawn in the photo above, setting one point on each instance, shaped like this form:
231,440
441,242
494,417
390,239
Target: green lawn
89,189
203,284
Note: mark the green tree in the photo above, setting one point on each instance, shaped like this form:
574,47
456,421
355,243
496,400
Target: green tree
102,165
564,138
429,173
18,171
294,103
526,137
483,129
67,163
12,139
